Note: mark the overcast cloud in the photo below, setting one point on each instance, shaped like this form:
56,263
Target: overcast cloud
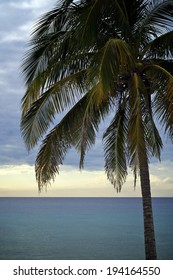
16,21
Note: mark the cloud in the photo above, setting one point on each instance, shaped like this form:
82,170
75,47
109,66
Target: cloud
19,180
12,36
16,170
14,32
33,5
18,17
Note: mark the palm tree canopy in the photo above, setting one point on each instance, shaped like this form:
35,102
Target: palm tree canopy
87,59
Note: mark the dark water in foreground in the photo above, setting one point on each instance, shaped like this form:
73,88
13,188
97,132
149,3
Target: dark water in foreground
81,228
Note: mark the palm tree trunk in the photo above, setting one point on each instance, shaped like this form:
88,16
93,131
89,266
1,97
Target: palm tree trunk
149,235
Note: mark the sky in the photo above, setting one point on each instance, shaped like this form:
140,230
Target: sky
17,177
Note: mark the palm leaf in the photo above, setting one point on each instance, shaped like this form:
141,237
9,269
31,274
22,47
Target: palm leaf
143,134
167,65
115,139
98,106
53,20
95,16
136,138
115,57
39,54
78,129
59,97
57,142
51,156
153,140
161,47
158,17
163,107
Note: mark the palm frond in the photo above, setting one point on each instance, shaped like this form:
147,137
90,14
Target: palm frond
57,142
136,138
163,107
59,97
52,21
167,65
161,47
153,140
95,16
54,58
158,77
56,70
152,137
97,107
143,134
158,18
115,147
39,54
135,11
161,14
51,156
78,129
106,65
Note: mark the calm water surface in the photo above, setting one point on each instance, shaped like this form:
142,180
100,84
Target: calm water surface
81,228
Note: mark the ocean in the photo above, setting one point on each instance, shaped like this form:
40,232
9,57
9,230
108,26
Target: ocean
81,228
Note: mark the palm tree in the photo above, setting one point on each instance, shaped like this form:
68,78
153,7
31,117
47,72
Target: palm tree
91,58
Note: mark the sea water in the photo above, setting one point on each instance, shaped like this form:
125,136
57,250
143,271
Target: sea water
81,228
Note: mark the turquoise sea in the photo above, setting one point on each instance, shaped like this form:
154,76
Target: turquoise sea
81,228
